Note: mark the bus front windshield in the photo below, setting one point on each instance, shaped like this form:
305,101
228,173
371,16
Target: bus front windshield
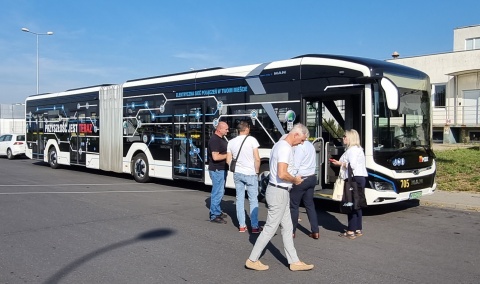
409,125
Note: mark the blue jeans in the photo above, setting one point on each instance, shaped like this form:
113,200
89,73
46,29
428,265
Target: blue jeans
250,183
218,189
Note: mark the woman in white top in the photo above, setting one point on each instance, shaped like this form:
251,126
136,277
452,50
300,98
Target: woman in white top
356,158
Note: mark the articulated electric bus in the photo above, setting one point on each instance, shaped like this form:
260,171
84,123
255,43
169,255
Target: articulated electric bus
159,127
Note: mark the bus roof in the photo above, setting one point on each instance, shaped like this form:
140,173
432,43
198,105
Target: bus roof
365,65
372,64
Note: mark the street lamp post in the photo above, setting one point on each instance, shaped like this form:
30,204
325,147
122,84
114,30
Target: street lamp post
36,34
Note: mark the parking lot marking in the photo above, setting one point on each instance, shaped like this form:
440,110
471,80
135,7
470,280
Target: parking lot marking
84,192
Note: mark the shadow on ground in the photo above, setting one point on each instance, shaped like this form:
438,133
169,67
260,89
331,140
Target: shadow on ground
147,236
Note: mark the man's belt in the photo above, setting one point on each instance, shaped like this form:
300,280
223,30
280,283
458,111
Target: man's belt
304,177
279,186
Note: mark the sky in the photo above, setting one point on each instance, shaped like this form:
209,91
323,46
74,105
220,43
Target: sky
98,42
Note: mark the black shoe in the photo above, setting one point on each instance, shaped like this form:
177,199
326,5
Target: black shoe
218,220
223,215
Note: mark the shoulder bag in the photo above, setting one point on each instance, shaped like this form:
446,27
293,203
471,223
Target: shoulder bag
346,205
233,163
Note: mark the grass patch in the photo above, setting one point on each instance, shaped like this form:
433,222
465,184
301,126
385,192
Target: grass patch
458,169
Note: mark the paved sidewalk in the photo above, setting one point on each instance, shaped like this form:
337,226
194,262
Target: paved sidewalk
468,201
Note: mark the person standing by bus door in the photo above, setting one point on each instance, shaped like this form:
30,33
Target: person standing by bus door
277,195
356,158
305,165
217,169
245,149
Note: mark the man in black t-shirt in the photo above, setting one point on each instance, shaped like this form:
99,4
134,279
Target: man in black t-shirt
217,168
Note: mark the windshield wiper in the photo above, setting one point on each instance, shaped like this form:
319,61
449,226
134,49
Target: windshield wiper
410,147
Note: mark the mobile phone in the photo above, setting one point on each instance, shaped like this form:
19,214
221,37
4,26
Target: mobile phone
331,159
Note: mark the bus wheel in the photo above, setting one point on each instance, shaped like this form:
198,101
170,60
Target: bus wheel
53,158
263,181
9,154
140,168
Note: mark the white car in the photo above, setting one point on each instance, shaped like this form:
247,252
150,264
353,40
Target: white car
12,145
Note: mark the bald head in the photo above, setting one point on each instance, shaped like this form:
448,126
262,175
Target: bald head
222,129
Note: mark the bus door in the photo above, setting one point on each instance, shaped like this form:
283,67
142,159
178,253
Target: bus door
327,118
324,120
35,138
78,140
188,142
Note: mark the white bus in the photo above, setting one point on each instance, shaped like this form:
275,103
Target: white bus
159,127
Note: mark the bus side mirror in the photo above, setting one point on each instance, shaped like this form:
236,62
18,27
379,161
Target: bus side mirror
391,93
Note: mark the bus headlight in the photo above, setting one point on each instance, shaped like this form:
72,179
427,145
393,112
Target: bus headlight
382,186
380,183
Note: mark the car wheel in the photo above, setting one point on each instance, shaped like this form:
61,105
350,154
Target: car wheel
10,156
140,168
53,158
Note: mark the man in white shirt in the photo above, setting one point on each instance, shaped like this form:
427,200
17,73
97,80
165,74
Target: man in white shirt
244,149
305,165
278,200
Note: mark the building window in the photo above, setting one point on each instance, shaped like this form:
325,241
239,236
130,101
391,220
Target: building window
472,43
439,95
437,136
474,136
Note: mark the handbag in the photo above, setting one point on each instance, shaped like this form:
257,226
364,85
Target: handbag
233,163
349,189
338,187
353,197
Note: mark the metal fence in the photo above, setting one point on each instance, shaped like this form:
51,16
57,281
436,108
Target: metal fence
457,116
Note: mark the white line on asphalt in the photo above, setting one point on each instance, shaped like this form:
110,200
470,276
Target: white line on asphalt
67,184
83,192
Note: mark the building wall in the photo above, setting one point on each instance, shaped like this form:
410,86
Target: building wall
12,118
463,33
439,66
12,126
459,70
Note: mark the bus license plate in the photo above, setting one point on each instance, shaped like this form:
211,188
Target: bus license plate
415,195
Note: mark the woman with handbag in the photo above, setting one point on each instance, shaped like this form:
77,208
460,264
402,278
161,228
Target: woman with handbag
353,163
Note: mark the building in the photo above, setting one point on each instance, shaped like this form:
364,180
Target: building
455,79
12,118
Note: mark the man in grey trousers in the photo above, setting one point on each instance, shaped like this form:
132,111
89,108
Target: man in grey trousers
278,200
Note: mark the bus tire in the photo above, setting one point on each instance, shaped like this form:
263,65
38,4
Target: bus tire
140,168
263,181
53,158
10,156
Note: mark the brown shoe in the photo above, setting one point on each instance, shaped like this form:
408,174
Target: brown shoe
314,235
218,220
301,266
350,236
255,265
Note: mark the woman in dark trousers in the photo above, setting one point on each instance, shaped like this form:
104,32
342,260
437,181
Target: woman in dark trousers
355,157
